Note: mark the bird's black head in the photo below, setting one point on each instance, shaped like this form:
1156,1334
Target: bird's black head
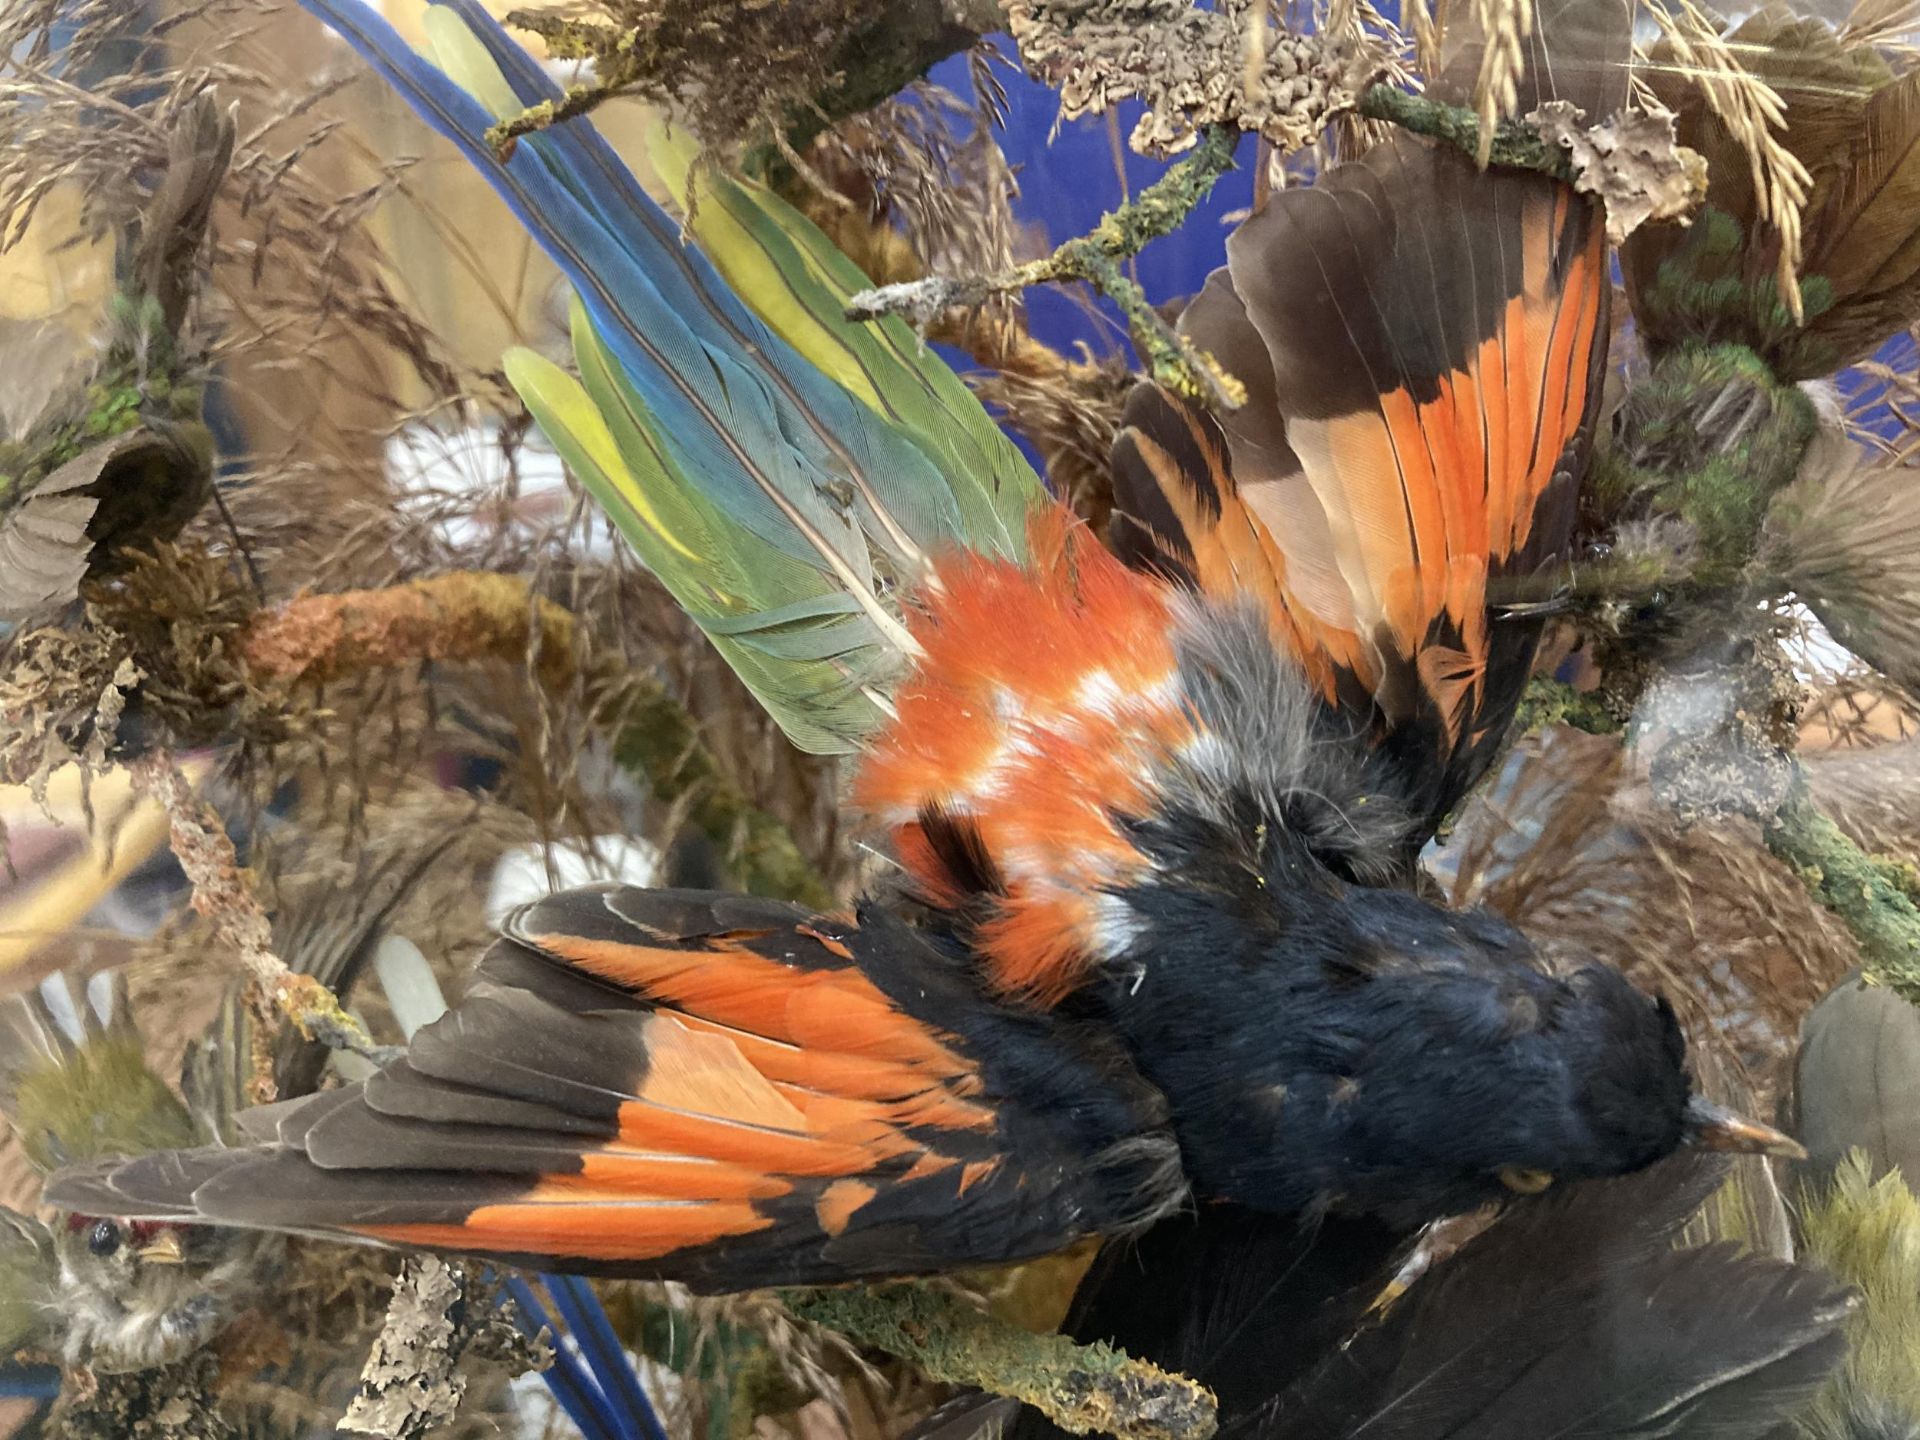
1375,1054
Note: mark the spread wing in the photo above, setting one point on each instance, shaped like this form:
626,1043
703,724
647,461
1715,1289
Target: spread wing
1422,344
715,1089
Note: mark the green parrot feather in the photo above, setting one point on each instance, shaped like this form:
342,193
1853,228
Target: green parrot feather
786,473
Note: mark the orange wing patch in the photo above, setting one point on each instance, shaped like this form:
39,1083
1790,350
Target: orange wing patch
1362,497
565,1223
598,1103
812,1036
1044,699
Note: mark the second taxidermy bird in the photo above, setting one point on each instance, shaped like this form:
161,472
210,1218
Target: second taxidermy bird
1156,810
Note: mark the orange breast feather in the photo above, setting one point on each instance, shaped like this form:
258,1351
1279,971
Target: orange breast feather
1045,698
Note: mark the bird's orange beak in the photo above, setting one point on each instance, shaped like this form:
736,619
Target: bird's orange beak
163,1249
1714,1127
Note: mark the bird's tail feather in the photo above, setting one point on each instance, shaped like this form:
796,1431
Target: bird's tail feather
786,510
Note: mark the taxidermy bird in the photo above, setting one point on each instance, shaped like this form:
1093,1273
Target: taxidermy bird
1156,935
75,1086
110,1294
1575,1315
128,460
1853,1102
1579,1317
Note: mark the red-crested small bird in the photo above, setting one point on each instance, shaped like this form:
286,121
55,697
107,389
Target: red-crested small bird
1157,935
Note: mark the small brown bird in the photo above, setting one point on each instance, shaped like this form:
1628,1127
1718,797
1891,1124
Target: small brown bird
109,1294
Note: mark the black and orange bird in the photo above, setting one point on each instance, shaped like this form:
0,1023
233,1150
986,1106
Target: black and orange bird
1155,807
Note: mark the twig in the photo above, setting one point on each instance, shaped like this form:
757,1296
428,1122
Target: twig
413,1380
223,895
1080,1388
1873,895
472,616
1095,257
1516,144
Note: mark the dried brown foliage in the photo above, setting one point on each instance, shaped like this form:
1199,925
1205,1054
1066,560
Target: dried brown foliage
325,356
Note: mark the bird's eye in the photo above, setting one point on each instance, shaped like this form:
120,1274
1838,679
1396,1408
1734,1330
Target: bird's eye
1523,1181
104,1238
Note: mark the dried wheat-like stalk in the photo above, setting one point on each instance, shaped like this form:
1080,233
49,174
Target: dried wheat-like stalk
1505,26
1425,21
1882,23
1753,113
1357,27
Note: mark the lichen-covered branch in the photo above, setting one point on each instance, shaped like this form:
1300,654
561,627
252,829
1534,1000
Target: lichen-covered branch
1096,258
1516,144
412,1382
1874,896
223,894
815,61
417,1372
1630,160
1192,67
472,616
1081,1388
165,1402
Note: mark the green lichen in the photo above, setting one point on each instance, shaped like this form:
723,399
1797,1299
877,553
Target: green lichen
1081,1388
1703,292
1515,144
1873,895
1547,702
1708,438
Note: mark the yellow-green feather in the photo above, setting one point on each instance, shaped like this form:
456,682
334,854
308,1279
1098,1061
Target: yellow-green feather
97,1100
817,643
799,282
1867,1233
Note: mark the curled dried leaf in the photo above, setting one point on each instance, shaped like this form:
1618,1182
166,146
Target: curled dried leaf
1632,162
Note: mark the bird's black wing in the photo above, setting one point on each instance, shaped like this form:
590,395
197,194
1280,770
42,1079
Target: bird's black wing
716,1089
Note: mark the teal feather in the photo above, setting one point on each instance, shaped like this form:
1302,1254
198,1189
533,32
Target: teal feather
787,504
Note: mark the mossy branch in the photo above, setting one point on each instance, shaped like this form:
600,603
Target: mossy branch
1516,144
1547,702
1096,258
1873,895
1081,1388
866,52
472,616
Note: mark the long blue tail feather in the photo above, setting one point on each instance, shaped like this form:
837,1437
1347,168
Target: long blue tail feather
625,204
767,435
786,473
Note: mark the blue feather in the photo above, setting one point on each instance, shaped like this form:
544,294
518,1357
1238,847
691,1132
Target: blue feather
591,1378
774,442
587,1319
